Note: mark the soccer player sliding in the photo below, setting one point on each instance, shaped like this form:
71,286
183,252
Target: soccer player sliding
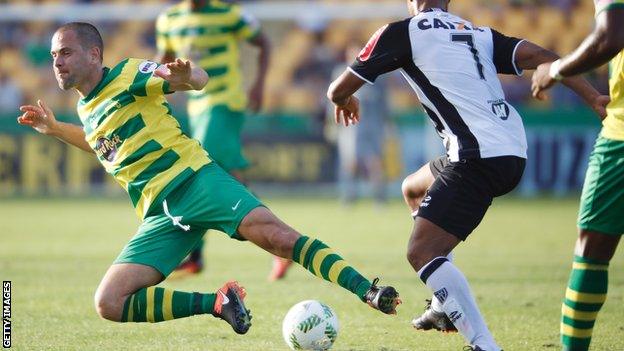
452,65
176,189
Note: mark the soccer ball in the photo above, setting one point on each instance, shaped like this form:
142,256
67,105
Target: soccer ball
310,325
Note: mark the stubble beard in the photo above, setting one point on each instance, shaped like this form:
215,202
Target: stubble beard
66,84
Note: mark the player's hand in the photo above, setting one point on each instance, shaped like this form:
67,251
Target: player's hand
541,81
349,113
39,117
599,105
256,96
177,73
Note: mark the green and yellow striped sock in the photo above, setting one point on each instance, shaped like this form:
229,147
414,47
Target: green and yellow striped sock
323,262
155,304
586,292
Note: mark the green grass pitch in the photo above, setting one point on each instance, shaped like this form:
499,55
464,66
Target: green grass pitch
517,261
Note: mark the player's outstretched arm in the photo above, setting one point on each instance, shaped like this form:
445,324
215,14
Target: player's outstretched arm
598,48
530,56
340,92
182,75
42,119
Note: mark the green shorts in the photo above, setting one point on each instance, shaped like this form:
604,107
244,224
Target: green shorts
602,201
219,131
210,199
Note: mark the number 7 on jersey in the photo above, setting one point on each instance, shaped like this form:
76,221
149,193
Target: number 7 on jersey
469,40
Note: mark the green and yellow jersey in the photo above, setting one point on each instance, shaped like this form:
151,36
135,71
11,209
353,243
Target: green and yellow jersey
613,124
209,37
128,123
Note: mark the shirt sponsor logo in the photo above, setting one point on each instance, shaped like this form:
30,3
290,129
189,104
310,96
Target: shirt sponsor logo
436,23
107,148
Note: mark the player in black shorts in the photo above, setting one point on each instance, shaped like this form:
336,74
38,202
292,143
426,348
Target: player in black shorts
452,65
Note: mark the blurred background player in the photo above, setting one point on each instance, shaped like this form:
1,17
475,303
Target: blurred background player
452,67
360,149
209,32
602,201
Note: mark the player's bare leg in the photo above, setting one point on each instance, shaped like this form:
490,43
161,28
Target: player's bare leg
587,286
119,282
414,188
596,245
280,265
127,293
264,229
415,185
427,250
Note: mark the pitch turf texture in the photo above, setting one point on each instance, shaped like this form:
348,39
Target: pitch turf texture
55,252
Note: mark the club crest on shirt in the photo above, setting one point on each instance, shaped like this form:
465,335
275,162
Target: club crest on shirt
107,148
500,109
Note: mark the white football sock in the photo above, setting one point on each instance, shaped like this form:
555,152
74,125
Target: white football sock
451,288
436,305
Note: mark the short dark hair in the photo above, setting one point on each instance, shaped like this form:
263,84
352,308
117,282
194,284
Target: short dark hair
87,34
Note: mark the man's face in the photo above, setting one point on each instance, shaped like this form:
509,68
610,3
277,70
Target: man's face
71,62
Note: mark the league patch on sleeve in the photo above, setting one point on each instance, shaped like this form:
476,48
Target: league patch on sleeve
147,66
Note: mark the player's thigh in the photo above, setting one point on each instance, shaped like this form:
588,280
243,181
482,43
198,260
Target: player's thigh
213,199
160,242
457,200
463,191
602,199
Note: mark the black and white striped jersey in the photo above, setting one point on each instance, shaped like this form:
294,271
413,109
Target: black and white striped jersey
452,66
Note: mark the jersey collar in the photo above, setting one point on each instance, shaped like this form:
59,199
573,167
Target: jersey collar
433,9
98,87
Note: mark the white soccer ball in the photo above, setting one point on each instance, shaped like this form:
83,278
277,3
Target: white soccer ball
310,325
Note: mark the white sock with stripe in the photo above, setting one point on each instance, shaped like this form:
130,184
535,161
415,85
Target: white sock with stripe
451,288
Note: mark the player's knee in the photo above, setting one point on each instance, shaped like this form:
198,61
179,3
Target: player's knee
108,306
415,257
410,192
405,188
596,245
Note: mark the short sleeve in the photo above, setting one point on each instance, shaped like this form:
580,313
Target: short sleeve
145,83
505,53
247,27
163,42
388,49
